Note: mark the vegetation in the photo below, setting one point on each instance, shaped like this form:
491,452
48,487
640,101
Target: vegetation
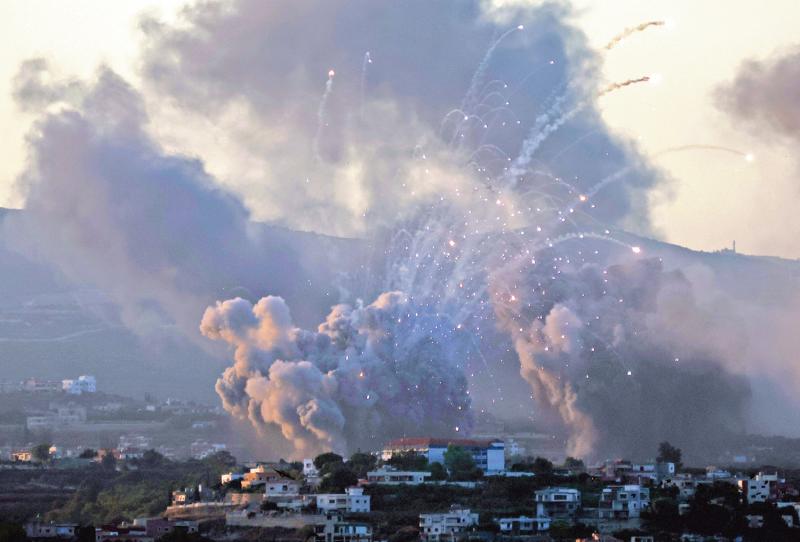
461,465
11,532
408,461
667,453
41,453
106,495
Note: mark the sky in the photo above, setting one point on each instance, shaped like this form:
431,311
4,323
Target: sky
712,199
161,133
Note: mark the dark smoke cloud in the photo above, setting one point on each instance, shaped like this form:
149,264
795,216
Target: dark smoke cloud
599,346
111,208
764,94
369,373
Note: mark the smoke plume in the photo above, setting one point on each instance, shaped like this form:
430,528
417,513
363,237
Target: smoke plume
368,373
601,345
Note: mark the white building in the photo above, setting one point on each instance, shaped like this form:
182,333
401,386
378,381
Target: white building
686,484
760,488
311,473
63,416
523,525
353,501
440,527
557,502
229,477
489,455
37,385
309,469
82,384
333,529
285,487
388,476
623,502
38,529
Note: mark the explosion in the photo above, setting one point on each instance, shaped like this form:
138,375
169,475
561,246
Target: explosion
367,372
483,230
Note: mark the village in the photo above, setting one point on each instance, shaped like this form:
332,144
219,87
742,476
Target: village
443,489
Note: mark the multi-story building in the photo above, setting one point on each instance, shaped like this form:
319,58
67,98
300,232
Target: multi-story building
122,534
334,529
60,417
78,386
352,501
37,385
260,475
283,487
441,527
557,502
229,477
623,502
157,527
523,525
388,476
39,529
489,455
761,488
200,449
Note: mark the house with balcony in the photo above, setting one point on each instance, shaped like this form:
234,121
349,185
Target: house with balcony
623,502
558,502
387,475
445,526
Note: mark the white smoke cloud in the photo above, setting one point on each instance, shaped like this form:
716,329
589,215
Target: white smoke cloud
368,373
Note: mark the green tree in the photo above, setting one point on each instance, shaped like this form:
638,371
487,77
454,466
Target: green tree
460,464
337,479
328,458
11,532
574,463
667,453
85,533
438,472
542,466
361,463
109,462
408,461
151,459
41,452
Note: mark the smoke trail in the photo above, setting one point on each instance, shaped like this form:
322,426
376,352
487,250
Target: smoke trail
364,66
616,86
471,96
746,155
321,120
632,30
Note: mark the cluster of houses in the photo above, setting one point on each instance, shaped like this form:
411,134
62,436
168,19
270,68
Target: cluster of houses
141,530
271,497
73,386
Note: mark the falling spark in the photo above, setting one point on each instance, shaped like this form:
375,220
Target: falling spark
323,103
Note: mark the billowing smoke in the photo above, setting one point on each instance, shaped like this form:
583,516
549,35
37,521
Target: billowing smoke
602,346
370,372
764,94
147,193
113,209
